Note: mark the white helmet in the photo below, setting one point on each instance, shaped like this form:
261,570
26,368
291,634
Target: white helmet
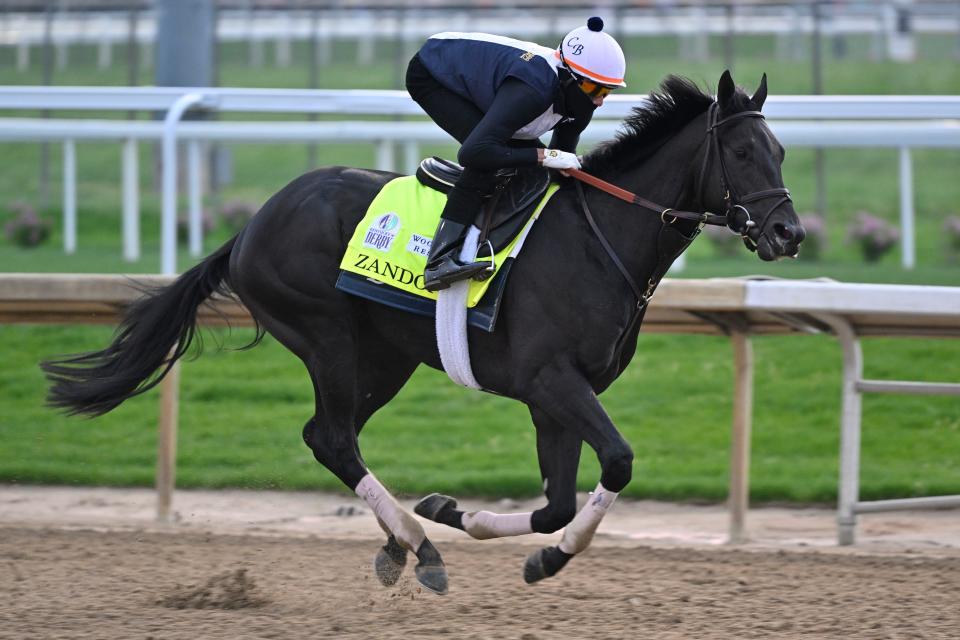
590,53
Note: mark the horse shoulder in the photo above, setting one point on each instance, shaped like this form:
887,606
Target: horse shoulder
563,304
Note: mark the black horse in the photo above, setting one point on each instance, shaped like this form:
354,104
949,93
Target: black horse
568,326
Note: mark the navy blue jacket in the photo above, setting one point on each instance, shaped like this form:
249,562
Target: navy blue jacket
475,65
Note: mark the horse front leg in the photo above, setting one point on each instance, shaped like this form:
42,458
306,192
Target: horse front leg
569,400
482,525
558,451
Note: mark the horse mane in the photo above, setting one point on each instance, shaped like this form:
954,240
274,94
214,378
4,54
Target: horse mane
664,114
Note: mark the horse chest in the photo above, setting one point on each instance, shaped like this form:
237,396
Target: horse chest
605,347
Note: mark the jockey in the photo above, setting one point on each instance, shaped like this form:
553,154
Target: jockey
497,96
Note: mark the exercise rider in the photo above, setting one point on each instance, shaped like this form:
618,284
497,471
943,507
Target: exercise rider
497,96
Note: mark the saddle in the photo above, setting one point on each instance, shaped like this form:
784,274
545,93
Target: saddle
504,213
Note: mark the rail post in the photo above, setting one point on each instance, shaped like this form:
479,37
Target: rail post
131,201
168,220
69,196
907,242
194,197
166,460
739,500
167,443
851,412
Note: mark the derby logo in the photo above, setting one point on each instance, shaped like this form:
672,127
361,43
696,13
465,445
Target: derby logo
382,232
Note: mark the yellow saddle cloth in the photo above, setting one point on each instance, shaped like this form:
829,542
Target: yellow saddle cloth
392,241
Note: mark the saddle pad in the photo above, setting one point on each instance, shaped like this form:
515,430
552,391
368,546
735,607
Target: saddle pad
391,243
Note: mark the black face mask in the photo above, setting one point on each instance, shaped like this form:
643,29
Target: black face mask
576,103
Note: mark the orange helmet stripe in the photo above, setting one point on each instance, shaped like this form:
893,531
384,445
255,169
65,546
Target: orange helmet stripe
588,73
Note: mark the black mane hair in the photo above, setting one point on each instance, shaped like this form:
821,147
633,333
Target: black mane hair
666,112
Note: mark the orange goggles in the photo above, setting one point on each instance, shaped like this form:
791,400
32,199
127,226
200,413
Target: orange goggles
594,89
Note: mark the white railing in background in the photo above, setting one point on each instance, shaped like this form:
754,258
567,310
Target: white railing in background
737,307
901,122
370,28
392,103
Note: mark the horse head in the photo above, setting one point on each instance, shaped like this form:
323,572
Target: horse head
740,173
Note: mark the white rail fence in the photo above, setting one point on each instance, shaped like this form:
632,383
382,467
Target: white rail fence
900,122
371,28
741,309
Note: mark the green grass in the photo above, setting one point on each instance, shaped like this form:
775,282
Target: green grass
242,412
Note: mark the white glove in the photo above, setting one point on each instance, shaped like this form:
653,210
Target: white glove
556,159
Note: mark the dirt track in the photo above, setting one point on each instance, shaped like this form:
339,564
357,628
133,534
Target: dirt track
74,584
140,581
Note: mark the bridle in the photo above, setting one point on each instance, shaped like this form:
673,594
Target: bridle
737,216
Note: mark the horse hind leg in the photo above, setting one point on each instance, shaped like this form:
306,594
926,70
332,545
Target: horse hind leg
340,455
382,372
295,302
391,559
334,444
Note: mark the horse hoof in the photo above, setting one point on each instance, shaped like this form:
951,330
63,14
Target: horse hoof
432,578
431,506
544,563
430,571
389,563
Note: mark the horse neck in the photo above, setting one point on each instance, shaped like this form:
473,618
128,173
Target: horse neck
667,177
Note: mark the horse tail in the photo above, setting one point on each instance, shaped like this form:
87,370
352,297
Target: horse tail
155,332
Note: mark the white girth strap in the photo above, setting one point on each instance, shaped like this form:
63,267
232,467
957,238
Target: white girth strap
451,321
579,533
390,514
484,525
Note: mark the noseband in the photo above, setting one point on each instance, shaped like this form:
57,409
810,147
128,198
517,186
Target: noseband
737,216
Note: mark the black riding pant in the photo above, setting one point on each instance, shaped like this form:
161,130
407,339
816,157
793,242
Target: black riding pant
485,137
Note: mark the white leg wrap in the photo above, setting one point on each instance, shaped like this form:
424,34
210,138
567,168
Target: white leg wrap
579,533
484,525
390,514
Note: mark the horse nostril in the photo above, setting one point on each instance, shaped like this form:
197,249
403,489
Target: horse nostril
799,233
789,232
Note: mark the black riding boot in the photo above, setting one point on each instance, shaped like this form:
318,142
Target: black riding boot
443,268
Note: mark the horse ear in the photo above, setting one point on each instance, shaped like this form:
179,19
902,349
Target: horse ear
761,95
726,88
